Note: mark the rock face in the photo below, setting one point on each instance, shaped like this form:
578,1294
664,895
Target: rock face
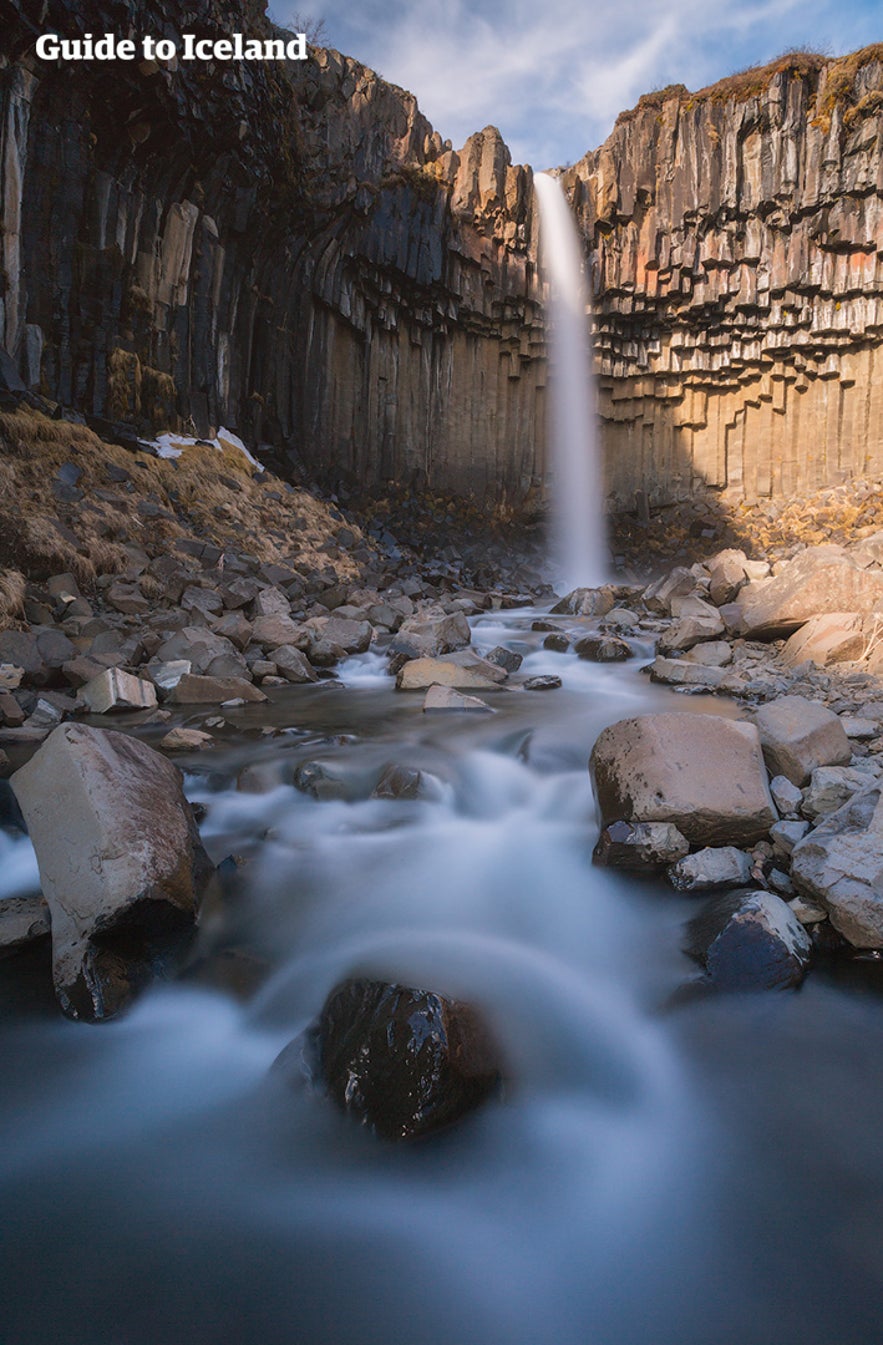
839,865
403,1062
734,237
703,773
209,208
750,941
121,864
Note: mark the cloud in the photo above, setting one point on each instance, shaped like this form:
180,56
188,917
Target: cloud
554,76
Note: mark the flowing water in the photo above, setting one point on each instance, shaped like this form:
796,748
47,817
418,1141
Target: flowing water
578,528
681,1172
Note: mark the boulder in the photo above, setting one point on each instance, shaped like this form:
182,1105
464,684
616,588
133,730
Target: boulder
271,632
121,863
723,866
353,637
602,649
822,579
446,698
832,786
505,658
704,773
696,620
428,636
711,654
642,847
198,646
797,735
839,866
400,1061
542,682
727,575
271,602
786,797
114,689
556,642
677,583
192,689
680,672
836,637
750,941
418,674
292,664
586,602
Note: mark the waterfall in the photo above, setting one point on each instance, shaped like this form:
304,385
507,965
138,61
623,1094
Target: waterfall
578,537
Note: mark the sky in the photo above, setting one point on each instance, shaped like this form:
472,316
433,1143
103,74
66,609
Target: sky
553,75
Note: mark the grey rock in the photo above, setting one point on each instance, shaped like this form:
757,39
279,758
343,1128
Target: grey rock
640,846
750,941
839,866
798,735
711,867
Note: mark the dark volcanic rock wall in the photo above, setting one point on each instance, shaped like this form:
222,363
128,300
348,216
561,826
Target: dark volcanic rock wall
287,249
736,238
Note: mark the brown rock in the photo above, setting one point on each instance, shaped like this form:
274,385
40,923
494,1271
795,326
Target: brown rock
797,735
701,772
822,579
195,690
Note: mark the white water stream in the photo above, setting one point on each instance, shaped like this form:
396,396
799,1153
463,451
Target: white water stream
707,1174
579,549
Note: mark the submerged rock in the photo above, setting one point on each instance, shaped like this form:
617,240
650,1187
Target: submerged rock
543,682
701,772
750,941
121,863
402,1062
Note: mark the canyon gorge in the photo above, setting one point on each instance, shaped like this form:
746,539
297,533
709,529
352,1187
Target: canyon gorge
291,250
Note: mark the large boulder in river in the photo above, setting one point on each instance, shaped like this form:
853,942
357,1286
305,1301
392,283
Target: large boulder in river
402,1062
121,863
704,773
797,735
839,866
750,941
818,580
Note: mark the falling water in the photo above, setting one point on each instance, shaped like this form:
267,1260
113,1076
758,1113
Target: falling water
578,544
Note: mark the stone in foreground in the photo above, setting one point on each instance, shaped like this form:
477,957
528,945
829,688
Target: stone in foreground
839,866
642,847
722,866
117,690
797,735
703,773
750,941
121,863
402,1062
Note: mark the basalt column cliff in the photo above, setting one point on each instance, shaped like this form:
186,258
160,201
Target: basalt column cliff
289,249
284,248
736,239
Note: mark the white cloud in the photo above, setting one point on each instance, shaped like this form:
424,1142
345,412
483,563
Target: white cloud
554,76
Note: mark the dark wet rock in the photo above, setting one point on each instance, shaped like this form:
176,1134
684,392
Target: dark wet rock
121,863
504,658
399,782
315,779
750,941
711,867
798,735
701,772
542,682
642,847
557,642
603,649
402,1062
292,665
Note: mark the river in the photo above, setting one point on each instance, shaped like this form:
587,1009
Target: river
662,1169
